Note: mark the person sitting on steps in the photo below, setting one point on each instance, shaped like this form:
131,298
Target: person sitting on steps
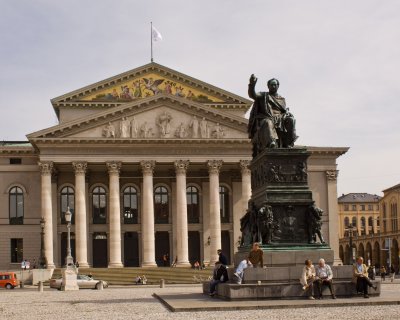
323,277
360,277
255,257
307,278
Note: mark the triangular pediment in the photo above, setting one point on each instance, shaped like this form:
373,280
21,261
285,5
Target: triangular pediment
147,81
156,117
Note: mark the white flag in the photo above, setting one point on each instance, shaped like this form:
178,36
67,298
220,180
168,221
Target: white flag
156,34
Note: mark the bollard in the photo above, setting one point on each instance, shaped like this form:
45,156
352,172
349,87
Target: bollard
162,283
100,286
40,287
21,284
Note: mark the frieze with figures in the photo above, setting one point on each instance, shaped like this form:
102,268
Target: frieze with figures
279,173
164,126
148,86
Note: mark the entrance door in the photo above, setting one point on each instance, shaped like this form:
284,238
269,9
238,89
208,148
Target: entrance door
226,245
131,249
162,247
64,239
194,247
100,256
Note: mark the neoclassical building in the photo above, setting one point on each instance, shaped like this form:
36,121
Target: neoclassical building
375,221
150,162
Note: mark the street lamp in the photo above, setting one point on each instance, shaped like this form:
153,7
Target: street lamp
68,260
42,257
350,229
69,273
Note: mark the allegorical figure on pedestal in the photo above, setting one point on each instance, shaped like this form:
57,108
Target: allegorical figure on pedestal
271,125
314,223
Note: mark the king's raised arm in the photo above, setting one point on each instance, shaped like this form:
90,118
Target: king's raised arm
252,87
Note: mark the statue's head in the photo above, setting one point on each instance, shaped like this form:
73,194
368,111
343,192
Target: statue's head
273,85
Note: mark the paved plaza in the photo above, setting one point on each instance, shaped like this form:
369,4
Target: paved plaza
138,302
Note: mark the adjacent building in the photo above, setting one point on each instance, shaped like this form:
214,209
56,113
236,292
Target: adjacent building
151,163
369,225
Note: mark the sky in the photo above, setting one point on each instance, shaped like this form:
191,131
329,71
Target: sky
338,63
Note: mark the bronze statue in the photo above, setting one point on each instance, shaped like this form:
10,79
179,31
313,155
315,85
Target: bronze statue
266,224
314,223
271,125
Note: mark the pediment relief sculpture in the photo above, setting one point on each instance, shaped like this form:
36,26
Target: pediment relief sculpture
164,126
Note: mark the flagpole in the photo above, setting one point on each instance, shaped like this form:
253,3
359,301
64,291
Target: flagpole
151,40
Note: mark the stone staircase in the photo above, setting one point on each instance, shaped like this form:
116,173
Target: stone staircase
126,276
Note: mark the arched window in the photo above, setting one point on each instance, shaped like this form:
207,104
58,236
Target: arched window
67,199
371,225
354,221
161,205
384,217
16,205
193,205
130,205
346,222
393,215
363,226
224,203
99,205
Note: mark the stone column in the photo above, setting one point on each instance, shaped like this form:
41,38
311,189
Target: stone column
80,214
148,214
215,220
331,177
115,260
246,183
182,250
47,211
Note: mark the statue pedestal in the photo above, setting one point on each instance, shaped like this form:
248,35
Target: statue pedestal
289,256
279,181
70,281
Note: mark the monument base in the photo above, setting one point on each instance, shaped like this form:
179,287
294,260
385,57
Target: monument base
283,283
70,279
287,256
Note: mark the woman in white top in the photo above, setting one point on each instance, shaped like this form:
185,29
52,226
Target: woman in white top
307,278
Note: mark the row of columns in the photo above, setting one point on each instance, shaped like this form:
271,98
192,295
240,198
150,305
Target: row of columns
148,235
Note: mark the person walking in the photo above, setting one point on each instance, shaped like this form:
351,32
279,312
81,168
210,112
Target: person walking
382,271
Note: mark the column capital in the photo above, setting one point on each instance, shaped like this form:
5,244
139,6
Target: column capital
181,166
46,167
331,175
244,166
80,167
113,167
147,166
214,166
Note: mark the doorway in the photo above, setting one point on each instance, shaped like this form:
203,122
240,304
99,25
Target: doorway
194,247
226,244
162,248
131,249
100,254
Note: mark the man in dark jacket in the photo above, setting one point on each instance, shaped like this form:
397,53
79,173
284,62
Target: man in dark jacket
222,258
220,275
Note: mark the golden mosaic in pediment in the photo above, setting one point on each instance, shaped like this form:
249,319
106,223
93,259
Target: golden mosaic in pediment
147,86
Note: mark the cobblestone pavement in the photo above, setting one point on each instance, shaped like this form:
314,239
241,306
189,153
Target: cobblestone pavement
138,303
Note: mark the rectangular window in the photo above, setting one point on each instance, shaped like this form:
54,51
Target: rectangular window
353,207
15,161
346,207
370,207
377,207
16,250
362,207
